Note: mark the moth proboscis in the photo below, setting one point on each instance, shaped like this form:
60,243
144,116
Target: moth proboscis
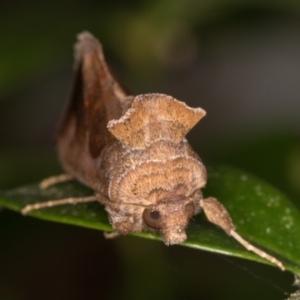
132,152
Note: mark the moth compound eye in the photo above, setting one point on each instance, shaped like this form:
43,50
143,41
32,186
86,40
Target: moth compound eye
190,209
152,218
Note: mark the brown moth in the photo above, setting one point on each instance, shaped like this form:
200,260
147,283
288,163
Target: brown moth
132,152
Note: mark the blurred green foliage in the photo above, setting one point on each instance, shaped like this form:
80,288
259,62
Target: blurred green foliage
37,36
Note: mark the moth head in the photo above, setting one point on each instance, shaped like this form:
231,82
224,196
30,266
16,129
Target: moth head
170,217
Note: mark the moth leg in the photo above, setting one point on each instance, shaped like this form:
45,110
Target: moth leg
53,203
106,202
111,234
54,180
217,214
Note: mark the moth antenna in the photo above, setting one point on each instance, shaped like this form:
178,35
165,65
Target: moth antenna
36,206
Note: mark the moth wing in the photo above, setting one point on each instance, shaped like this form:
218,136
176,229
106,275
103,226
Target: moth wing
96,98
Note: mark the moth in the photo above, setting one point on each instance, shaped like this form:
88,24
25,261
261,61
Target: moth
132,152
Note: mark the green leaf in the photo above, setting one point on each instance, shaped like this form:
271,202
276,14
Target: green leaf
260,213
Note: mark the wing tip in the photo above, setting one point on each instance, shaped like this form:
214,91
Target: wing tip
86,43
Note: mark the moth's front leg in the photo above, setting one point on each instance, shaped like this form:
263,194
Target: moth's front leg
122,224
124,218
217,214
47,182
56,202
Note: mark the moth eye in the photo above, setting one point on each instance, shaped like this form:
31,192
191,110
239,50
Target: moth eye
190,209
152,218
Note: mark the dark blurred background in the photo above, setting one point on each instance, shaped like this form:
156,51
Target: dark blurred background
239,60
